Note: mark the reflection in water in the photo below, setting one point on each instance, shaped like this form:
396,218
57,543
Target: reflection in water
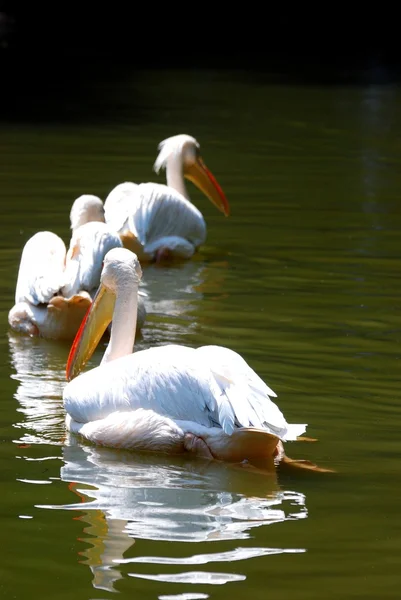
172,300
125,497
303,280
40,371
161,498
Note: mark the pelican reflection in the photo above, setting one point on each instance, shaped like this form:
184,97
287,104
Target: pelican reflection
129,501
126,497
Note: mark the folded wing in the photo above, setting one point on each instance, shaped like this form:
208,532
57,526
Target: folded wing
41,269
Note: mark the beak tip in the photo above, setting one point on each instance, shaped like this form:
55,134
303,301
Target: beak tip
225,209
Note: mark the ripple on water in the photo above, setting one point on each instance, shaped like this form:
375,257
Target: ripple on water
193,577
123,497
184,597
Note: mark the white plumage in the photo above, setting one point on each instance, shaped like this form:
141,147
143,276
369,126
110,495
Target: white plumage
157,217
170,398
86,209
158,221
88,247
42,263
55,287
211,386
173,148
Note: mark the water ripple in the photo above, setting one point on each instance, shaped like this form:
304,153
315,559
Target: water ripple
199,577
203,559
173,499
184,597
122,497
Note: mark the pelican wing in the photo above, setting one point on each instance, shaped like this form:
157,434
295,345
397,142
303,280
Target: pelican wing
88,247
40,274
179,383
157,215
122,201
164,212
244,399
166,379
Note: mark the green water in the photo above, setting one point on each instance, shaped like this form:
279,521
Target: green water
302,280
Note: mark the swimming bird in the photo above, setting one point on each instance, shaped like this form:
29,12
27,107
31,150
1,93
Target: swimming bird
85,209
169,398
159,222
55,287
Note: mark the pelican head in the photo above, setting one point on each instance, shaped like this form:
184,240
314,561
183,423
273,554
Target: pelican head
120,278
86,208
184,150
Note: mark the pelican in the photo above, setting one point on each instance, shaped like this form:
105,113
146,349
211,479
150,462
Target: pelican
159,222
85,209
170,398
54,287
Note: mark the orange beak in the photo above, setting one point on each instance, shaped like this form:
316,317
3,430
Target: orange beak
200,175
93,326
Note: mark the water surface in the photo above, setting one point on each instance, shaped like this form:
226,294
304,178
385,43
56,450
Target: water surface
302,280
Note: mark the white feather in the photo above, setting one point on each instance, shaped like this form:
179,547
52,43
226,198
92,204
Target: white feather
140,429
172,146
46,271
159,216
88,247
40,274
85,209
211,387
165,212
119,204
177,382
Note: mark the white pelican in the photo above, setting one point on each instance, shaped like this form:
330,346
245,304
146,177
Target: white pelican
55,287
85,209
168,398
158,221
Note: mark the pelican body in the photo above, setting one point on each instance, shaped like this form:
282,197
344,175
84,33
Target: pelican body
171,398
158,221
54,287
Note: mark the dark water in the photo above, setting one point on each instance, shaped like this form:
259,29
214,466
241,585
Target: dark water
302,279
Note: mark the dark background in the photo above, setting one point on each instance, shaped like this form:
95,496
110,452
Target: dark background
50,51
